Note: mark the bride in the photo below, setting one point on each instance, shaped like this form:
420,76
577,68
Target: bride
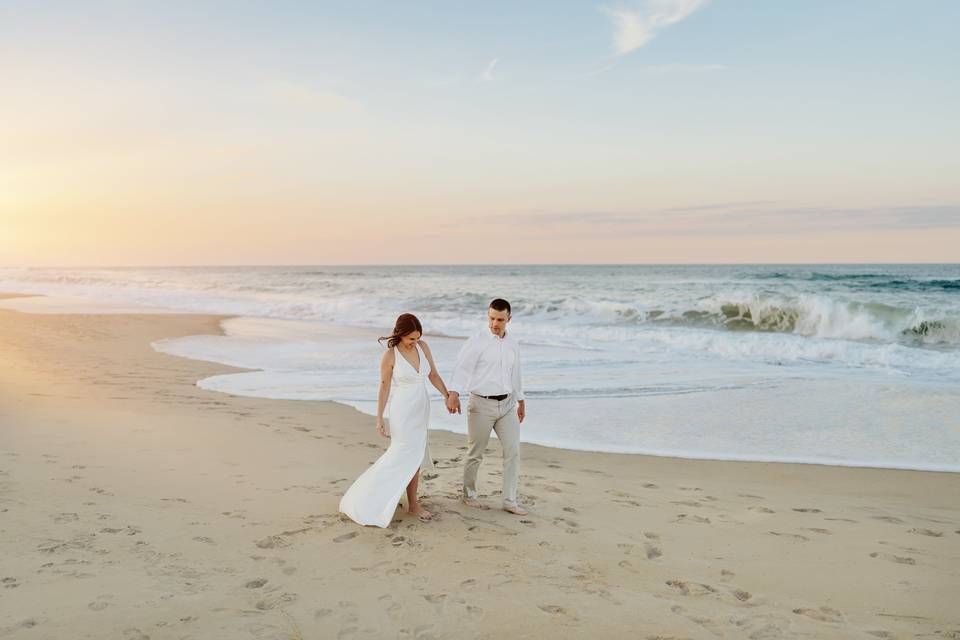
372,498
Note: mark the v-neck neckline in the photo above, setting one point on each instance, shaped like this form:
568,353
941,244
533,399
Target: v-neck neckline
419,359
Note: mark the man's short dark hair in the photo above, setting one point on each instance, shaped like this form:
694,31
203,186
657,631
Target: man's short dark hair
499,304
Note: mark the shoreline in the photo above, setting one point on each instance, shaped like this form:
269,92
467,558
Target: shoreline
141,502
58,304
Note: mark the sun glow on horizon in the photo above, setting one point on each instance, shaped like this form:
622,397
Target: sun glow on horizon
313,135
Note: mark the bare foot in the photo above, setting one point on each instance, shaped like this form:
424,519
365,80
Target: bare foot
421,513
517,510
473,502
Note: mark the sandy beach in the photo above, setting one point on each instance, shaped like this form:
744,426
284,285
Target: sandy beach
135,505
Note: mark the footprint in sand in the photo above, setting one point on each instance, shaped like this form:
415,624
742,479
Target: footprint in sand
795,536
741,595
823,614
372,567
61,518
436,599
391,606
256,584
9,583
652,552
842,520
272,542
760,509
706,623
276,600
350,536
682,517
626,564
825,532
204,539
808,510
557,610
890,519
894,558
100,603
131,530
691,588
927,532
571,526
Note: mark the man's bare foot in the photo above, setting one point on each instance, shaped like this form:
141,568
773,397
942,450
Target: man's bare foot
421,513
473,502
517,510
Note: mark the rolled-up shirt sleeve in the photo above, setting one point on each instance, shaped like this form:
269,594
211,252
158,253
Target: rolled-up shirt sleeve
517,378
463,369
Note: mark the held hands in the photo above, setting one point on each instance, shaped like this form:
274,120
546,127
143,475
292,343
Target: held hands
382,428
453,402
521,410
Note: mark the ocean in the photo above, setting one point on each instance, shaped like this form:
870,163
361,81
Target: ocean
854,365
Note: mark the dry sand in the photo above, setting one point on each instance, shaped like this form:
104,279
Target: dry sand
135,505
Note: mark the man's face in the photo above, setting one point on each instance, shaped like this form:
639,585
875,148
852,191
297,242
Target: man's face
497,321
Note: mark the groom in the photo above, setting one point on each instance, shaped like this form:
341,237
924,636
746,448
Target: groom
488,368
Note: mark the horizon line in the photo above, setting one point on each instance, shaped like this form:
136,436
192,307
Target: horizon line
476,264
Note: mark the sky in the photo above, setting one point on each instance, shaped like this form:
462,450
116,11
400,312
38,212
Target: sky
651,131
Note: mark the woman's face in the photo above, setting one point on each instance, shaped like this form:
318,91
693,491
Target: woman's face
409,340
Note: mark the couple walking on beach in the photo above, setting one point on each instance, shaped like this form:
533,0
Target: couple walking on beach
488,370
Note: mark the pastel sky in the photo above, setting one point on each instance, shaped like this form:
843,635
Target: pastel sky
650,131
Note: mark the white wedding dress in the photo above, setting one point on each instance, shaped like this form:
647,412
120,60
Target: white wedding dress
373,497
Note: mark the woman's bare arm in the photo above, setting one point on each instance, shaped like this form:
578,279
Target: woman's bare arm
434,376
386,374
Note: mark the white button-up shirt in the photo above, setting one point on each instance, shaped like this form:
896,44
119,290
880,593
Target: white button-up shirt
488,365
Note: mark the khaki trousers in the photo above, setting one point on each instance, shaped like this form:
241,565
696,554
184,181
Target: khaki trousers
484,416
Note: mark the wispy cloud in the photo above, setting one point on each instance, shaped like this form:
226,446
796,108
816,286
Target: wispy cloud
662,69
635,27
487,74
305,97
740,218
